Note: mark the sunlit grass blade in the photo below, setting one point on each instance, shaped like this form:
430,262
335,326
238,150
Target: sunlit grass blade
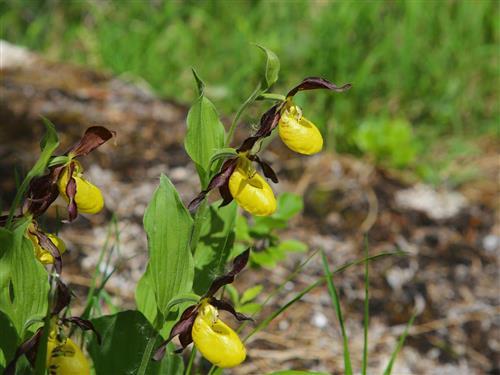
336,305
264,323
366,315
401,341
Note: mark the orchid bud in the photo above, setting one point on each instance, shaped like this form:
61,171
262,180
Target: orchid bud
250,190
216,341
298,133
88,197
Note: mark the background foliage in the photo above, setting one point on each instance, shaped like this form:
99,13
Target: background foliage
432,64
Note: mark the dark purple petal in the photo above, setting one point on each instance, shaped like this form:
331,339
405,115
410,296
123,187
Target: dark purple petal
46,243
238,264
84,324
225,193
248,144
42,191
226,306
267,170
312,83
217,181
70,193
268,122
182,328
93,138
29,348
62,297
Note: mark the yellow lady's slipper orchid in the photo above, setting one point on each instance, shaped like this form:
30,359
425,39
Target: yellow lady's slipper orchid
250,190
298,133
88,197
64,357
43,255
216,341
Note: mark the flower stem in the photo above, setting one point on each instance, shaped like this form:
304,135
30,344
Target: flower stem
192,356
255,94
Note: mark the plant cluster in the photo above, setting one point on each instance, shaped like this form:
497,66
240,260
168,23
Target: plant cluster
181,292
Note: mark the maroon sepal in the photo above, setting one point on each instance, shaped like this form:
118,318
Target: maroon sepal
93,138
266,169
226,306
219,180
46,243
70,193
83,324
42,191
313,83
268,122
62,297
182,328
238,264
27,348
225,193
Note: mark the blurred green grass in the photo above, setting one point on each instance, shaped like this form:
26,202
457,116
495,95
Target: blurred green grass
432,63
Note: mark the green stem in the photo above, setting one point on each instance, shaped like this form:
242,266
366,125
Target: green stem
366,313
148,351
271,96
17,200
192,356
247,102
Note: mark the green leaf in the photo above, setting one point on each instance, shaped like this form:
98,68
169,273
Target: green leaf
205,135
145,297
200,85
190,298
168,226
294,372
48,145
58,160
125,337
336,305
8,340
401,341
272,66
251,294
24,289
292,246
215,244
223,153
250,308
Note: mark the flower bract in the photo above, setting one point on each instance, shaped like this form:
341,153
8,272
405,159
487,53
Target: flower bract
298,133
216,341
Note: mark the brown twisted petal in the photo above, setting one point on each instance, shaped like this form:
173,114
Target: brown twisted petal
226,306
71,193
313,83
238,264
182,328
268,122
266,169
218,181
93,138
28,348
83,324
47,244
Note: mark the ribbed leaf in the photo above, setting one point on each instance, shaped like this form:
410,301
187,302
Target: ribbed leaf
24,288
205,134
214,247
168,226
125,338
